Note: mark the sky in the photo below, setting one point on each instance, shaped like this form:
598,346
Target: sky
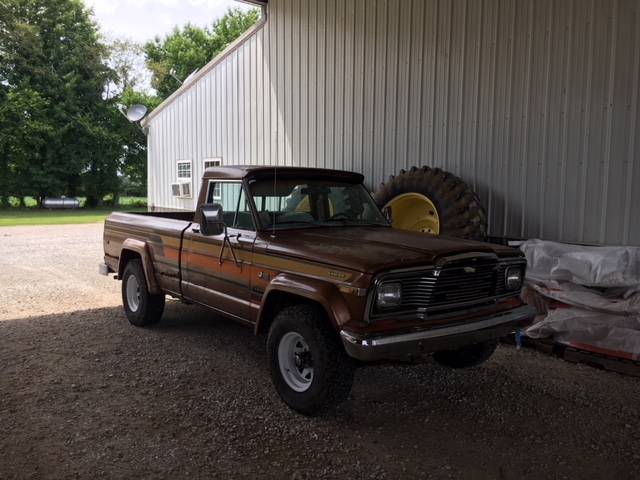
141,20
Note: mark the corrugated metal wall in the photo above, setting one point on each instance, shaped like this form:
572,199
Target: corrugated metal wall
534,102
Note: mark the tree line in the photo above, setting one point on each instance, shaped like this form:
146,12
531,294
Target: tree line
63,88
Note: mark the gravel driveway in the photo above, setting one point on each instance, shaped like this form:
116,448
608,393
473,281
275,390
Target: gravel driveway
53,269
85,395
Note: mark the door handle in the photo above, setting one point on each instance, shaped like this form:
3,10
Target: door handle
195,229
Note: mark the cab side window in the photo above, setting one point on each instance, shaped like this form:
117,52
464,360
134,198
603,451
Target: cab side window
235,206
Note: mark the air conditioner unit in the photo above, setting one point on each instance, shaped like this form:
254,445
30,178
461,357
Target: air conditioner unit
181,189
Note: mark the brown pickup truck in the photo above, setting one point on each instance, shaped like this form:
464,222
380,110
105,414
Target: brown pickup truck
306,257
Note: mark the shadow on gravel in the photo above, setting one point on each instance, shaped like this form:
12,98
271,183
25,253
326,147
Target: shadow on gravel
86,394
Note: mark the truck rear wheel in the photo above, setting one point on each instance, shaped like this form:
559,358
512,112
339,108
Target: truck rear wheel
430,200
309,368
468,356
141,307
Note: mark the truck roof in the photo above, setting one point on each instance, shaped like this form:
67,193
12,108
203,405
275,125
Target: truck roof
238,172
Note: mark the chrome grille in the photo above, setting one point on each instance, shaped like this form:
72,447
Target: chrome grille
451,287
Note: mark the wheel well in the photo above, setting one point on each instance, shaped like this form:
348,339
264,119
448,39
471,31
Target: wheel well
125,257
275,302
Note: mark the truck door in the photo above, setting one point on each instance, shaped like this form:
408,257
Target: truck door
211,274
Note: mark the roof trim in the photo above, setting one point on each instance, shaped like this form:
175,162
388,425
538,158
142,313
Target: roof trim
232,47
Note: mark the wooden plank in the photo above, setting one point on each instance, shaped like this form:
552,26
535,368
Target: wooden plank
575,355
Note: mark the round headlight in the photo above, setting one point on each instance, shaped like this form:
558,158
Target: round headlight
389,295
513,278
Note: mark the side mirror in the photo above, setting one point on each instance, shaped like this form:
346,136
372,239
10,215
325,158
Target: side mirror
388,214
211,219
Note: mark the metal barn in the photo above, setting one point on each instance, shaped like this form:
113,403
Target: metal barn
532,102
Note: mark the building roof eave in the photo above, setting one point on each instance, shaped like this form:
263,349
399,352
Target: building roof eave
212,63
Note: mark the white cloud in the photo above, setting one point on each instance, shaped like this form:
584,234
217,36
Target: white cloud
141,20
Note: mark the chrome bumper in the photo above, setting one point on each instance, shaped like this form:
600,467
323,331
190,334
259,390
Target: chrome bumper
407,346
103,269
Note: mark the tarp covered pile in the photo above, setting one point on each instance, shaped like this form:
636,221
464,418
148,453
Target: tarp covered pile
586,297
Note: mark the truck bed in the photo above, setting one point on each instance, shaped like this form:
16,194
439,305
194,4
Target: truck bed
186,216
161,231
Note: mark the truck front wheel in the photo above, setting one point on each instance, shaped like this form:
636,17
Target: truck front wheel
468,356
141,307
309,368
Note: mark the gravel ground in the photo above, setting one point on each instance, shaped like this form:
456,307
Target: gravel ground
83,394
53,269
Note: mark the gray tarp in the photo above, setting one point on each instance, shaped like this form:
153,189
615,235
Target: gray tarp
586,296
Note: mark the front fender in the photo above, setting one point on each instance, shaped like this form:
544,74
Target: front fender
140,248
325,293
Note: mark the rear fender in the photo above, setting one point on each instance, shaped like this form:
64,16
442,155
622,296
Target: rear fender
139,248
324,293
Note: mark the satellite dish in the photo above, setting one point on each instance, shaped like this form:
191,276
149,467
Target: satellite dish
135,113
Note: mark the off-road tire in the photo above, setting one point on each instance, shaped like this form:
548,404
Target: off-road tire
467,357
150,307
459,209
333,368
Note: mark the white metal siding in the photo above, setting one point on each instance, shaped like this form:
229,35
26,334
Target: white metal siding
534,102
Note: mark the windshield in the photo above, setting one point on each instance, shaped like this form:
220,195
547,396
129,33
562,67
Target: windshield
296,203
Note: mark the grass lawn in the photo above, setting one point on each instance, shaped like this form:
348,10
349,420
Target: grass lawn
36,216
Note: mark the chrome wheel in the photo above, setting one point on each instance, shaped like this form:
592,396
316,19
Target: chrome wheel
294,359
133,293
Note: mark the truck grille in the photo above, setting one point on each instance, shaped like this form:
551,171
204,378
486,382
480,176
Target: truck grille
450,288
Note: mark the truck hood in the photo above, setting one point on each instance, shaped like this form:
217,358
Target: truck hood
375,249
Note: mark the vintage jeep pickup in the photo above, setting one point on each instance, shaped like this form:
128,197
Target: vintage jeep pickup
306,257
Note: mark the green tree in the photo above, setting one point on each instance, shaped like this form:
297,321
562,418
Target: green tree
53,75
133,164
126,59
61,89
171,59
128,87
23,130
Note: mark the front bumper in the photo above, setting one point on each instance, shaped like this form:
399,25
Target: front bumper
408,346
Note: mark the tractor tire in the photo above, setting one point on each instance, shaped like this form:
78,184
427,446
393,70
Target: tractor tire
430,200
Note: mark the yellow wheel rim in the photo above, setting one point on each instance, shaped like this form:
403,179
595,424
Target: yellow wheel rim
415,212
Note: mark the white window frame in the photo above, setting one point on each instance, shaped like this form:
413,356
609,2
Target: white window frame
216,160
184,162
217,163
